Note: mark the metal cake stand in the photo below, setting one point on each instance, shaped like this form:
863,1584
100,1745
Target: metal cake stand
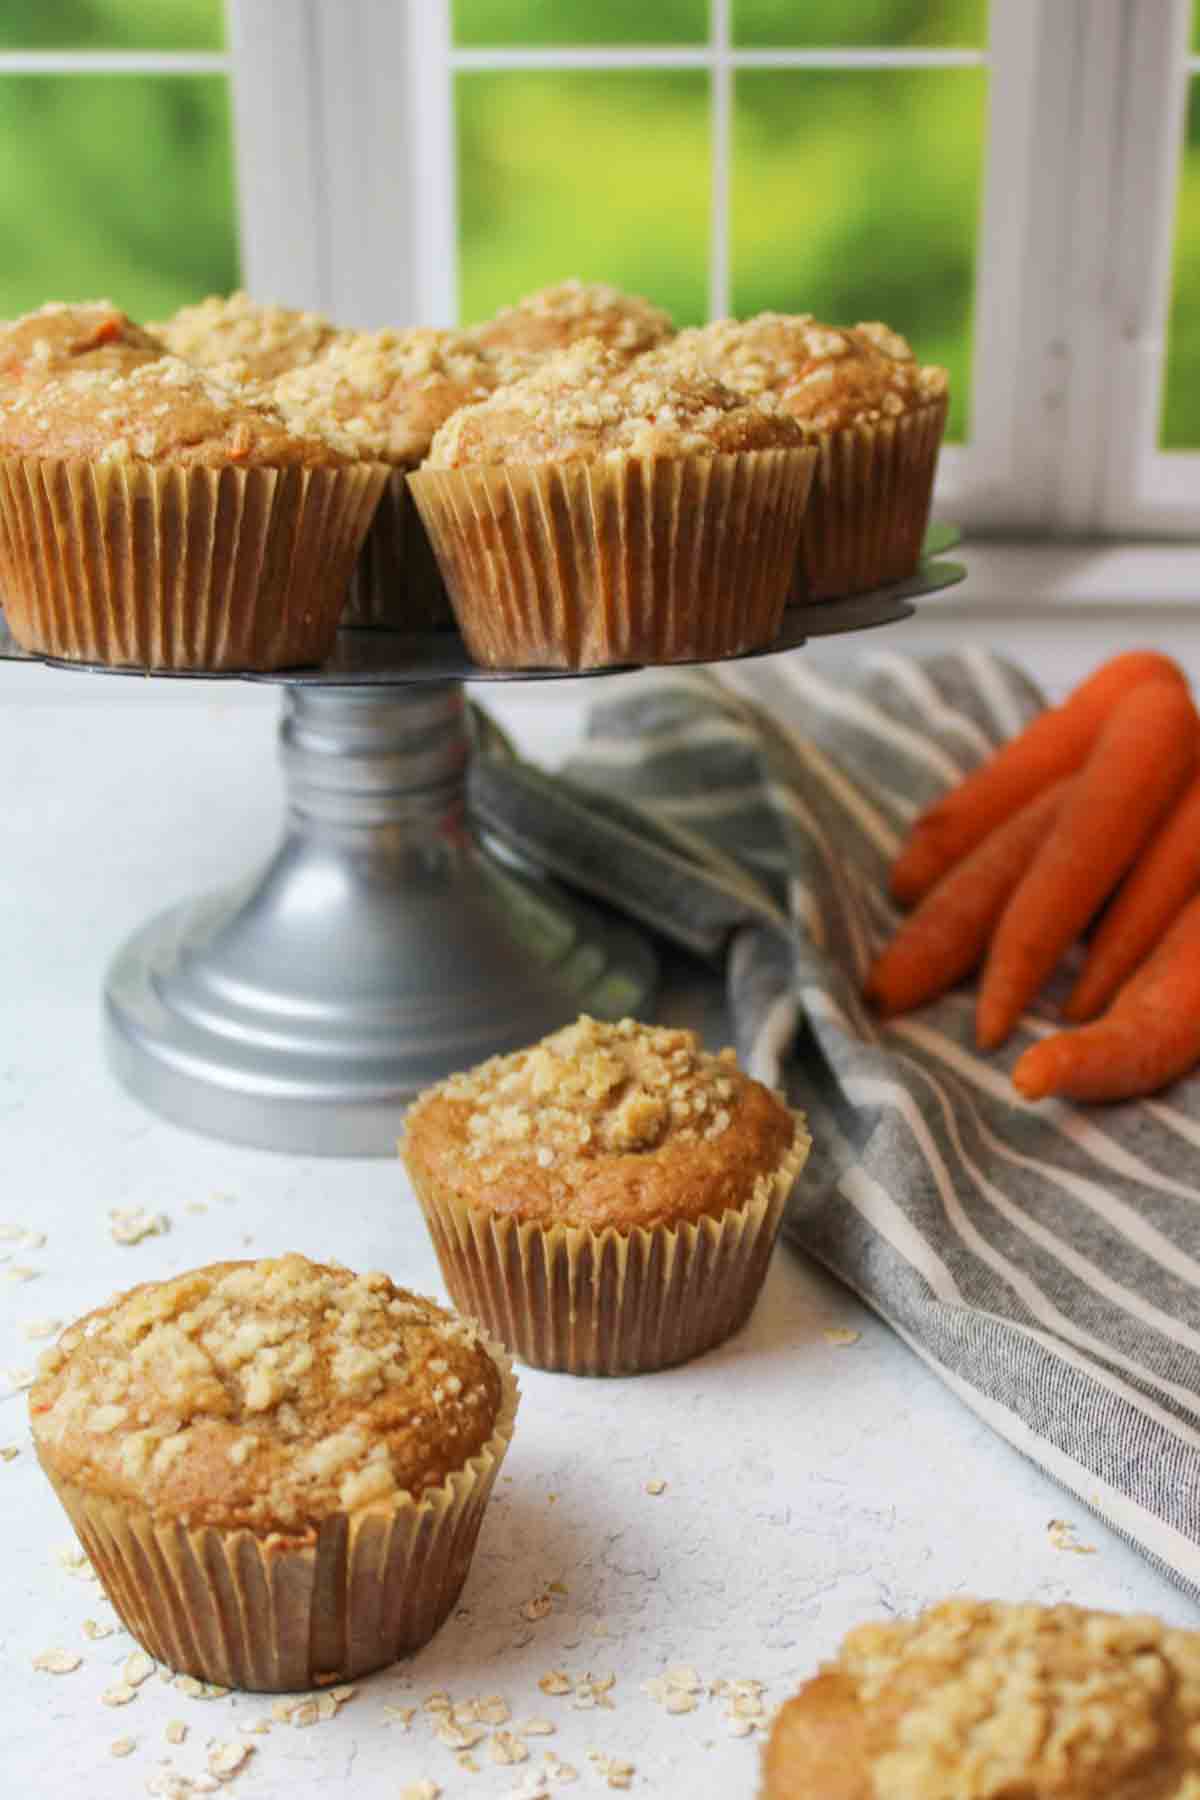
386,942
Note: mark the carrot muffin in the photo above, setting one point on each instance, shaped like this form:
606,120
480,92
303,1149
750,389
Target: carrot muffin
390,390
982,1701
278,1468
606,1201
876,416
150,517
233,328
95,334
596,512
557,316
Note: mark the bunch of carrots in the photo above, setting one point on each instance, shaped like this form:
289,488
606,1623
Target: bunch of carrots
1094,809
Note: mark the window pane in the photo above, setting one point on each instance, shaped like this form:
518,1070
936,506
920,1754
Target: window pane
600,175
495,24
117,186
112,25
855,196
829,24
1180,429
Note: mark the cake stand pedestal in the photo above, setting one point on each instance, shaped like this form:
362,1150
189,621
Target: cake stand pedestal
385,943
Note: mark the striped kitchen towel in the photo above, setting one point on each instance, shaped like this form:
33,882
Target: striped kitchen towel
1044,1260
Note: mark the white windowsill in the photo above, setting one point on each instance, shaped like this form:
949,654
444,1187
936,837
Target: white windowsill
1088,573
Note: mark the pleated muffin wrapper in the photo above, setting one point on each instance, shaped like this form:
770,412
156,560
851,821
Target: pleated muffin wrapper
583,565
610,1302
135,565
396,584
866,517
278,1612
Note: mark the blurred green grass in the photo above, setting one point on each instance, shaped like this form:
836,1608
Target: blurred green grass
1180,424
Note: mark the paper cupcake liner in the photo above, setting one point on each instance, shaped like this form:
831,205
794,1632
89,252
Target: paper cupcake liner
134,565
866,517
396,584
580,565
610,1302
275,1613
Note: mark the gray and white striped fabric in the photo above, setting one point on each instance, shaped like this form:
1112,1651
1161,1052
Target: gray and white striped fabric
1044,1260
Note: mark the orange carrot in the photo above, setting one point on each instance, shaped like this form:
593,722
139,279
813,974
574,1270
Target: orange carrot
1148,1037
1054,744
1144,755
945,937
1162,881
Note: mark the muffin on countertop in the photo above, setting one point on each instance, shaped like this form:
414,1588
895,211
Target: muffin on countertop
598,512
277,1425
876,417
227,328
389,391
979,1700
151,517
560,315
606,1200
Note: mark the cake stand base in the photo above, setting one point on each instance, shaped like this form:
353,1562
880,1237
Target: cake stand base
382,947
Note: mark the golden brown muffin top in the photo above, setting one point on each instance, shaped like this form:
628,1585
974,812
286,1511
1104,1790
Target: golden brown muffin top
624,1125
557,316
158,411
388,390
825,376
986,1701
267,1394
50,340
233,327
587,402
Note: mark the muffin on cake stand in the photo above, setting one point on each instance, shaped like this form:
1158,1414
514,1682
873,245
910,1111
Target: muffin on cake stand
388,941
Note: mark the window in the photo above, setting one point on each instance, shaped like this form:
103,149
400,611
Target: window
116,166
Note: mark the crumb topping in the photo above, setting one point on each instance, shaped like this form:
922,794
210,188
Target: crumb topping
557,316
155,409
228,327
96,333
989,1700
269,1394
825,376
587,402
593,1119
388,390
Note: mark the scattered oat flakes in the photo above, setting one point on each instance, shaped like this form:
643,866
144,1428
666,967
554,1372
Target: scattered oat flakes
537,1608
304,1714
492,1710
224,1760
129,1225
119,1695
840,1335
122,1746
438,1701
656,1488
506,1747
616,1773
10,1233
458,1737
400,1715
555,1681
560,1771
57,1662
21,1272
420,1790
255,1727
535,1728
94,1629
9,1451
196,1206
187,1684
176,1731
138,1667
75,1561
1062,1536
345,1690
19,1379
41,1328
739,1727
593,1690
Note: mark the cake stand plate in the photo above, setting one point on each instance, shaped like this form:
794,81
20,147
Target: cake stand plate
386,942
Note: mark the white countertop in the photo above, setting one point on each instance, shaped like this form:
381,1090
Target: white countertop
809,1484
